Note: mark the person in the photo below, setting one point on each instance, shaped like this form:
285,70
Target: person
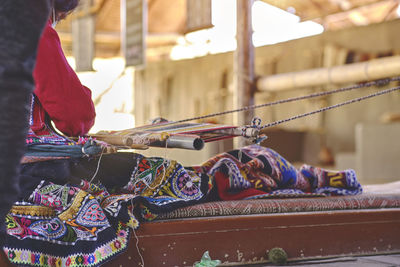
57,86
78,209
57,90
51,225
22,23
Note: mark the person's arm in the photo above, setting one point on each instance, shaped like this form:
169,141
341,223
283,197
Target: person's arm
59,90
21,23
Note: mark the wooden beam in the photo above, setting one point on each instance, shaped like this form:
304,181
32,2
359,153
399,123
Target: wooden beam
244,64
92,10
392,10
198,15
241,240
100,37
134,31
355,8
350,73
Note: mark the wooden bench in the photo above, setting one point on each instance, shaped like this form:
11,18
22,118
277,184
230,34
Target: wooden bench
242,232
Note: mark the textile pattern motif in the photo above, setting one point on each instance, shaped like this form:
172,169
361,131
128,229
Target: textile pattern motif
68,226
257,172
27,257
160,184
253,172
274,205
86,225
47,135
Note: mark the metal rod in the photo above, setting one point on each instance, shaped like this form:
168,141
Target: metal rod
191,142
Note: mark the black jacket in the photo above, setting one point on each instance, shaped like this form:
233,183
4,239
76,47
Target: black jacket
21,23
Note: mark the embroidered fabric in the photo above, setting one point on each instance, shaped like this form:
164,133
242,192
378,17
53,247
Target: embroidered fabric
87,225
68,226
47,136
50,145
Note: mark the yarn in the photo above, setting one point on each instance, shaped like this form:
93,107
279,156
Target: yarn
277,256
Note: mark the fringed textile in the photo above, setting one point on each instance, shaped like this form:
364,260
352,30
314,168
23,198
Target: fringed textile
68,226
257,172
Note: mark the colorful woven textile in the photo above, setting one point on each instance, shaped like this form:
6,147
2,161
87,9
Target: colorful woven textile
47,137
249,173
86,226
259,172
161,185
207,131
68,226
46,144
274,205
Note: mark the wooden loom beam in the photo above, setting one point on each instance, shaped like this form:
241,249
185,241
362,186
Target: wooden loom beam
350,73
164,135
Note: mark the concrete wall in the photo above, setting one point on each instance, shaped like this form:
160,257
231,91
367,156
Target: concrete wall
377,154
188,88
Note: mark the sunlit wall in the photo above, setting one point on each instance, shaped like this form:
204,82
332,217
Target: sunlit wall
270,24
112,92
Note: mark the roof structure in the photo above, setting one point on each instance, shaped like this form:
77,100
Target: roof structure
167,20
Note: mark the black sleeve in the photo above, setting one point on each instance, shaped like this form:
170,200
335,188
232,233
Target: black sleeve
21,23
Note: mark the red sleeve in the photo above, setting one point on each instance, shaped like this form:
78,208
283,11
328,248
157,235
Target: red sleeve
68,103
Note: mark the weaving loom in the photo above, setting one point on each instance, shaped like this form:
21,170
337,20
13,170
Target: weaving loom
182,134
174,135
96,226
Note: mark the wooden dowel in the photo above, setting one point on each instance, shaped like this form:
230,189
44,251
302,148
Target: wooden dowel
116,140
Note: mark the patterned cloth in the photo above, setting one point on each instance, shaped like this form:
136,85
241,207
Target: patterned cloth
87,226
46,135
68,226
44,142
277,204
259,172
162,185
50,137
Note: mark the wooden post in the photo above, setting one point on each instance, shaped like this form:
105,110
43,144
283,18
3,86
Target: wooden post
83,37
244,65
134,30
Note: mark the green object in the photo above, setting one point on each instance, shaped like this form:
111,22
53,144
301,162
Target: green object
277,256
206,261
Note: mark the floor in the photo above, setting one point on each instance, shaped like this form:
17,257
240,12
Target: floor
387,188
391,260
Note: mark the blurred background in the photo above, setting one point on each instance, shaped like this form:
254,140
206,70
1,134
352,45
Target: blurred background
176,59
